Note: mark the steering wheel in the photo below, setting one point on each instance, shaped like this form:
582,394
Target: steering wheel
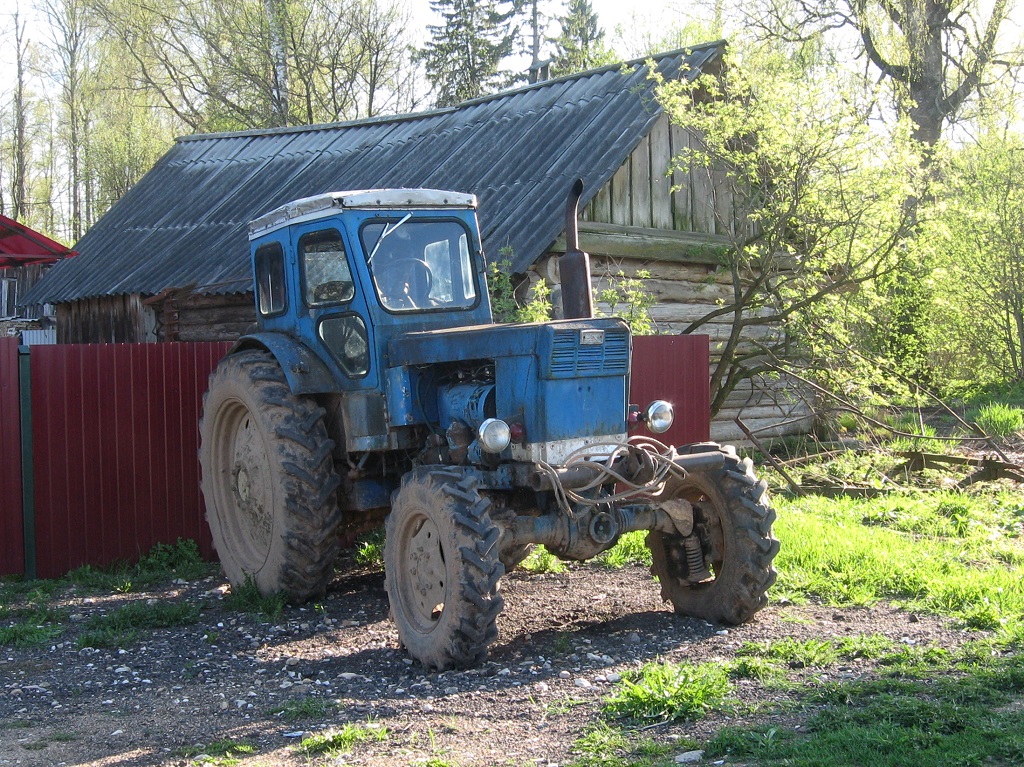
405,283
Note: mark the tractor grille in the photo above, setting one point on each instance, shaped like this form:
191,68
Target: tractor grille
570,358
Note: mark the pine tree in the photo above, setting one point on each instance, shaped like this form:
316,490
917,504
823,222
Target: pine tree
462,57
581,44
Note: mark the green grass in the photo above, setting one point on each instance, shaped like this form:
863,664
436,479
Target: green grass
629,550
949,554
121,626
161,563
668,691
540,560
999,420
33,624
964,719
370,549
223,752
337,741
818,653
304,708
604,745
247,599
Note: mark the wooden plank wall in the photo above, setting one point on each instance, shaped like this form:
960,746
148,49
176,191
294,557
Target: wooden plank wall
106,319
644,193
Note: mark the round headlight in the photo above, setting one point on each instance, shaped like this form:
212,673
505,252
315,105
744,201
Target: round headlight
495,435
658,416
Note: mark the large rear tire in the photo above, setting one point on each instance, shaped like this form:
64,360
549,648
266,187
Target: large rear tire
268,480
441,568
733,522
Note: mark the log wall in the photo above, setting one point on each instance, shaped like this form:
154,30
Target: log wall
190,317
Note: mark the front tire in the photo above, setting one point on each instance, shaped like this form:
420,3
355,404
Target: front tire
268,480
442,569
733,522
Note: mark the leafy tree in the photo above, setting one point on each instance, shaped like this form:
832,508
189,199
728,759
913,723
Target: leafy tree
977,234
822,202
234,64
936,55
580,46
464,54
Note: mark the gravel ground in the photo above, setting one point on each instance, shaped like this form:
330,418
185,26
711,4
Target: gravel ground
564,639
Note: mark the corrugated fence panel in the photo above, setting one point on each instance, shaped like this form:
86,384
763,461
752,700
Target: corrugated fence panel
12,554
674,368
115,450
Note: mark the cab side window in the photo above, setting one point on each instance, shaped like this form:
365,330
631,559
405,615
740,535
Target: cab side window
326,276
270,279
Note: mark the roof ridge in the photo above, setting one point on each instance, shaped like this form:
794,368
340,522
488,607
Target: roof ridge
410,116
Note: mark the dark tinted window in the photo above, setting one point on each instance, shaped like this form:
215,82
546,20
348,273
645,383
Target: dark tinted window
346,338
270,278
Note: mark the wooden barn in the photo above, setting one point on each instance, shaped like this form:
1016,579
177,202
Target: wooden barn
170,260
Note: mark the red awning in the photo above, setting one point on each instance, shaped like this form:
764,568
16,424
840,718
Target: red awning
20,246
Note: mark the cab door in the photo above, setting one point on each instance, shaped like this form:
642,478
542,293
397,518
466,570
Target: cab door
331,305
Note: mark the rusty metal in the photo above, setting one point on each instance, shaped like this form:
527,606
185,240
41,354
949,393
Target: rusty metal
574,265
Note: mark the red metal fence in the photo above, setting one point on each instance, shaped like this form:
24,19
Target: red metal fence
113,446
114,441
674,368
12,551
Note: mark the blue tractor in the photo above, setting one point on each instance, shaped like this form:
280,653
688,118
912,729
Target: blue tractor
377,388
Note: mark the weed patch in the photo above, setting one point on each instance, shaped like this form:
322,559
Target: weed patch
334,742
607,746
304,708
121,626
370,549
668,691
248,599
540,560
630,549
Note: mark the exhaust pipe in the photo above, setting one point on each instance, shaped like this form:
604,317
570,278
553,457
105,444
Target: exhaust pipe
574,266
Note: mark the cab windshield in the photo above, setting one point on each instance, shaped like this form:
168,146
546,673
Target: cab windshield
419,264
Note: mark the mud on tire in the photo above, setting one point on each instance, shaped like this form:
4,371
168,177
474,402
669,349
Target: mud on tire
268,479
442,569
733,520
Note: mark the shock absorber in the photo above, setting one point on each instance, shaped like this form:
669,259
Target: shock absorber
696,568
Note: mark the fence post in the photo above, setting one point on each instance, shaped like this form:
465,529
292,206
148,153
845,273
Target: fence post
28,495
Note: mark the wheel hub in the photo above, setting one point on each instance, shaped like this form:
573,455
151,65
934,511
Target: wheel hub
427,571
250,477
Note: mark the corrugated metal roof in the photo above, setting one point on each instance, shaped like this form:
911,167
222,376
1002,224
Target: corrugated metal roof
184,223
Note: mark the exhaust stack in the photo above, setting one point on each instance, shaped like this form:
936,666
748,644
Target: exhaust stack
574,266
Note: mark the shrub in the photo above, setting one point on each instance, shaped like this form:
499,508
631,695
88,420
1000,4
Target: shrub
999,420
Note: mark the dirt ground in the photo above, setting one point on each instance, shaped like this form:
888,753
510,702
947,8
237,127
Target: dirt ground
564,639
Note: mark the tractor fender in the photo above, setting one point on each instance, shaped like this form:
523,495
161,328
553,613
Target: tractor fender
306,373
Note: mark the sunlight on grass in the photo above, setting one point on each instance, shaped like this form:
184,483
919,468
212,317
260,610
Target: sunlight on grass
907,550
668,691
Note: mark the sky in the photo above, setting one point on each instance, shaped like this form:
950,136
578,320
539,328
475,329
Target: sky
633,16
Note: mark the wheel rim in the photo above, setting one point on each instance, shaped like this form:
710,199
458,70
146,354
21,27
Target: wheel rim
244,489
423,587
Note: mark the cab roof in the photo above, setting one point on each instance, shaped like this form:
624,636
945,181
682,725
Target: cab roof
318,206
